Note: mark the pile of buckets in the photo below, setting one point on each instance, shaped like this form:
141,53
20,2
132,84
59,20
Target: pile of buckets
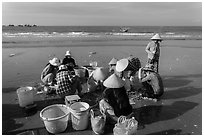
57,116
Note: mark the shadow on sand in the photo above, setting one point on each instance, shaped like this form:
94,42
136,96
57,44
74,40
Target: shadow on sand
168,132
150,114
178,81
9,90
181,93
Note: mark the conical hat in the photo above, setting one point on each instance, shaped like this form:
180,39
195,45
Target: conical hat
156,37
68,53
113,61
113,82
54,62
100,74
122,65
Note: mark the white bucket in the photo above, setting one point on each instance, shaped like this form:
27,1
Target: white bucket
25,96
55,118
79,115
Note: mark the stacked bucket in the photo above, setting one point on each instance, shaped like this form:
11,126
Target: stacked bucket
56,116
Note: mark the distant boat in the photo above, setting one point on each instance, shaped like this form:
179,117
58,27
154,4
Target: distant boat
125,29
92,52
11,55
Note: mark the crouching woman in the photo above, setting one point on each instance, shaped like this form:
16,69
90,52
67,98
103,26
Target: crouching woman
115,101
152,83
67,82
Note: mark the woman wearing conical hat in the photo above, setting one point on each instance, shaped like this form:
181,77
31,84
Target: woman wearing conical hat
66,83
96,78
115,101
69,61
129,67
49,72
151,81
153,51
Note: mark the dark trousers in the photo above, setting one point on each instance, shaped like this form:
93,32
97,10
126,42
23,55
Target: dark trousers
147,90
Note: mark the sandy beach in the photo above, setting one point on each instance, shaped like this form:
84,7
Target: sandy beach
179,112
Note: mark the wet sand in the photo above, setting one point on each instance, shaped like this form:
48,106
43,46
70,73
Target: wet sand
178,112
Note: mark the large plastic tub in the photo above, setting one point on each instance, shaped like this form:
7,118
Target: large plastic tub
55,118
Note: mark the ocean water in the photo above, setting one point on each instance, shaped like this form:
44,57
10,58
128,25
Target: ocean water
111,32
26,50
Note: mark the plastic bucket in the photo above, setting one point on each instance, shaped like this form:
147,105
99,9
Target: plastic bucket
55,118
25,96
98,121
79,115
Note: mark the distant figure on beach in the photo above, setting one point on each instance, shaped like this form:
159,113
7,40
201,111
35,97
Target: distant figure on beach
151,81
67,82
96,78
112,65
128,67
69,61
115,101
49,72
153,51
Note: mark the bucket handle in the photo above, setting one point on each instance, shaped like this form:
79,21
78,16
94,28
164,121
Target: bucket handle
121,119
91,112
132,122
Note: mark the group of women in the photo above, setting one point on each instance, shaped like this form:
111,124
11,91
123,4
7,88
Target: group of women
59,77
114,83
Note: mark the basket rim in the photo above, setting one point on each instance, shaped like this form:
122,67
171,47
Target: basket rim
72,110
53,119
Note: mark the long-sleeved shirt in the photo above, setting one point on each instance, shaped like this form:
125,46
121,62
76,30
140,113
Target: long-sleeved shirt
155,81
49,69
153,49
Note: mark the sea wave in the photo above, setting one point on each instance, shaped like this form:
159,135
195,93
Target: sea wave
167,35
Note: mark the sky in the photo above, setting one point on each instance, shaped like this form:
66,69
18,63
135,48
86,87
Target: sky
103,13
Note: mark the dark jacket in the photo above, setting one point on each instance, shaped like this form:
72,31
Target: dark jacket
69,61
118,99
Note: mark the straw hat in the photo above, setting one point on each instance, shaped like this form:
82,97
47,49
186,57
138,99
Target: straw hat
113,61
68,53
100,74
54,62
156,37
122,65
113,82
